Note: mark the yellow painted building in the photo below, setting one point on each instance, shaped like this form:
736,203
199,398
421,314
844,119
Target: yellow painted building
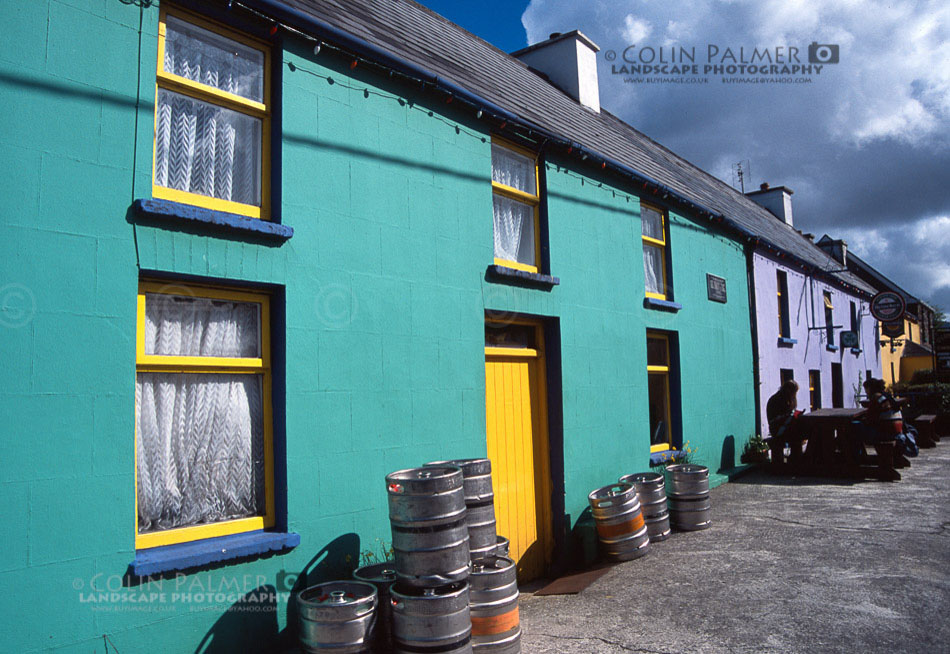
901,357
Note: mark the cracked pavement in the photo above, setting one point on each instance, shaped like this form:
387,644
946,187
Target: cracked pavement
789,565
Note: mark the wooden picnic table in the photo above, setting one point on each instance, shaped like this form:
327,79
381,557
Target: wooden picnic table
834,447
829,433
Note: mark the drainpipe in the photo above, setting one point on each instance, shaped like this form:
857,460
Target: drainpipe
750,277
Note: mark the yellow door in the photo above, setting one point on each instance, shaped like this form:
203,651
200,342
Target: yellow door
518,449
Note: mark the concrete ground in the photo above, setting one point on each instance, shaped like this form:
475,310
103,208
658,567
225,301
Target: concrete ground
789,565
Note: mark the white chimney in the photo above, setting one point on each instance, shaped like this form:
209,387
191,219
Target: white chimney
570,62
778,200
836,248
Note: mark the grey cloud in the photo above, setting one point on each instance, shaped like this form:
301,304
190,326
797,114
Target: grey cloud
865,145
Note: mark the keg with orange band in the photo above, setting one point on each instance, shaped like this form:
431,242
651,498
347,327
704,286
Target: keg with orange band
629,527
495,624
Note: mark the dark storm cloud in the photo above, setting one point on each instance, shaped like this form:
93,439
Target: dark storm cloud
865,143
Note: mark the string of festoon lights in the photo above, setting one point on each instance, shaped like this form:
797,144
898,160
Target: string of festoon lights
500,123
522,130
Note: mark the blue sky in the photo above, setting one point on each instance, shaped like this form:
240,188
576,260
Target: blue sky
496,21
865,144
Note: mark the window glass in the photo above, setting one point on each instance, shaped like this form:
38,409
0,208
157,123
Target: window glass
199,449
653,269
652,221
513,169
202,431
784,326
505,335
659,409
514,230
176,325
829,319
207,149
814,389
657,354
209,58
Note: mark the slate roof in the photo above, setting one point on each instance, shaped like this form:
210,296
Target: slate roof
912,349
428,40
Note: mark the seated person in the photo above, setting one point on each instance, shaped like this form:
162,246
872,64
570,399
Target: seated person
781,413
882,425
884,421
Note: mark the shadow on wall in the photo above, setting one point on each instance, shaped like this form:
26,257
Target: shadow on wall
584,543
249,625
727,461
335,561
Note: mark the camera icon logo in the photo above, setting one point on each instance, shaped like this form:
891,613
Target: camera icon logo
822,53
286,580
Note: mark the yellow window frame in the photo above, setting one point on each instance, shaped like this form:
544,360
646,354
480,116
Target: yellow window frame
829,317
664,371
223,365
211,95
526,198
659,244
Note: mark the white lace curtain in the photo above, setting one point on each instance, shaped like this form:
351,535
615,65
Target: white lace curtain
512,169
199,436
200,327
653,269
652,227
209,58
514,230
201,147
513,220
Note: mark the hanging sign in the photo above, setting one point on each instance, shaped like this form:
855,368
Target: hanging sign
893,329
715,288
849,339
888,306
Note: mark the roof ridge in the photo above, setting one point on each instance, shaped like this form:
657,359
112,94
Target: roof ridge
421,37
752,204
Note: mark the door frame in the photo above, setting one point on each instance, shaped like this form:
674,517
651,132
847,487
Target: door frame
551,412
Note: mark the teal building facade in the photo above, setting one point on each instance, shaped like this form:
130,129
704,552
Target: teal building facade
372,280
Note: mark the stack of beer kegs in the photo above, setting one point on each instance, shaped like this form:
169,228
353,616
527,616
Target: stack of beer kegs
493,584
430,599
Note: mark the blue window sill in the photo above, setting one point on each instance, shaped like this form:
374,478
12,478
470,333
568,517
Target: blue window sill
786,342
831,348
666,456
183,556
661,305
505,274
856,350
175,213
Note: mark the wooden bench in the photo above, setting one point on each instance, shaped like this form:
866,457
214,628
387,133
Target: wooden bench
834,449
926,430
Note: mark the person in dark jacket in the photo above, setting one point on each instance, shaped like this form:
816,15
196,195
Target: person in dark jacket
884,416
882,426
782,415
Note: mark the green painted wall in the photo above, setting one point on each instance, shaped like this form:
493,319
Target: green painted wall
596,250
385,293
